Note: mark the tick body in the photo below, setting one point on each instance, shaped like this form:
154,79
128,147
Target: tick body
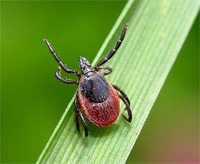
98,98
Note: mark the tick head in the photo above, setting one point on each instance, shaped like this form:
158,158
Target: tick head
85,65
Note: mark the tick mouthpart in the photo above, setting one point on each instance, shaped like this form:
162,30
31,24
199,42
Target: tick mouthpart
85,65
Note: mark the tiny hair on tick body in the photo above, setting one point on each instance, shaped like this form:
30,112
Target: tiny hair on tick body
97,97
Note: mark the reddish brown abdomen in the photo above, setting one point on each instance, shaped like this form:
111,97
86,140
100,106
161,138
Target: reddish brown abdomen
104,113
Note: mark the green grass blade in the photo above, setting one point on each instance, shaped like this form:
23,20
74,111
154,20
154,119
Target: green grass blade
156,33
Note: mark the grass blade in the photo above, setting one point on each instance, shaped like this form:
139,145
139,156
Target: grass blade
155,36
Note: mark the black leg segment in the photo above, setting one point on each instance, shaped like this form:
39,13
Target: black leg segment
122,93
78,115
108,70
112,52
129,119
58,76
62,65
126,101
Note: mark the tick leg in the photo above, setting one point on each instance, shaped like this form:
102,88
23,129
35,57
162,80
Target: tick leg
126,101
108,69
112,52
122,93
129,119
58,76
79,114
62,65
76,117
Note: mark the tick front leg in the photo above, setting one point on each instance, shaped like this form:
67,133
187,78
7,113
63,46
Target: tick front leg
79,114
62,65
112,52
58,76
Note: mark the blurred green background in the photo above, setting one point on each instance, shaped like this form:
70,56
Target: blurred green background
33,100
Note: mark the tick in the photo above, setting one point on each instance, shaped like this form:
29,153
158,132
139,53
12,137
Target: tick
97,97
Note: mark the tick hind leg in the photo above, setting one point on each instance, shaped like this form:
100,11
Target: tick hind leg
78,115
126,101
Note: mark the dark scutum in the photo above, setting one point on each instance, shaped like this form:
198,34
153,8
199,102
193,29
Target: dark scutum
94,87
